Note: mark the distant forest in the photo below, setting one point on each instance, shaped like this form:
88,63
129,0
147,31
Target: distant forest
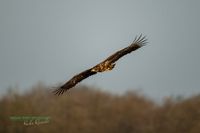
88,110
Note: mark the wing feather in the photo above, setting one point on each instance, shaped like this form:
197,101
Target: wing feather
73,81
137,43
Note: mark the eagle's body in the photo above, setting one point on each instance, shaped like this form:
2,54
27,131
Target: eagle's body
107,65
104,66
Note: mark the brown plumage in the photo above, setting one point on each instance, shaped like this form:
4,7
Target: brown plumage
106,65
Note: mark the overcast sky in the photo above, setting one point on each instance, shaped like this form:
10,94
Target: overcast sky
51,40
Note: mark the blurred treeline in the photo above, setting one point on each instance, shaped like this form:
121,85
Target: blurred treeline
87,110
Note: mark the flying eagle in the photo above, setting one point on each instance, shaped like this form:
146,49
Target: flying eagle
107,65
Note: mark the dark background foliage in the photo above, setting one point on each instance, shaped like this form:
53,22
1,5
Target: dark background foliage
86,109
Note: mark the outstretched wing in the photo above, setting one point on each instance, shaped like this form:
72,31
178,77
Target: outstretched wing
137,43
73,81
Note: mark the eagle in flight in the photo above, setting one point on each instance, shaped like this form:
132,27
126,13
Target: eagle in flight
106,65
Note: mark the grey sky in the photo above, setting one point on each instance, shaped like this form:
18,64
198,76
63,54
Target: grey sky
50,41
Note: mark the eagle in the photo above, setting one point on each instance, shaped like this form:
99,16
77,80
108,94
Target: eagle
106,65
